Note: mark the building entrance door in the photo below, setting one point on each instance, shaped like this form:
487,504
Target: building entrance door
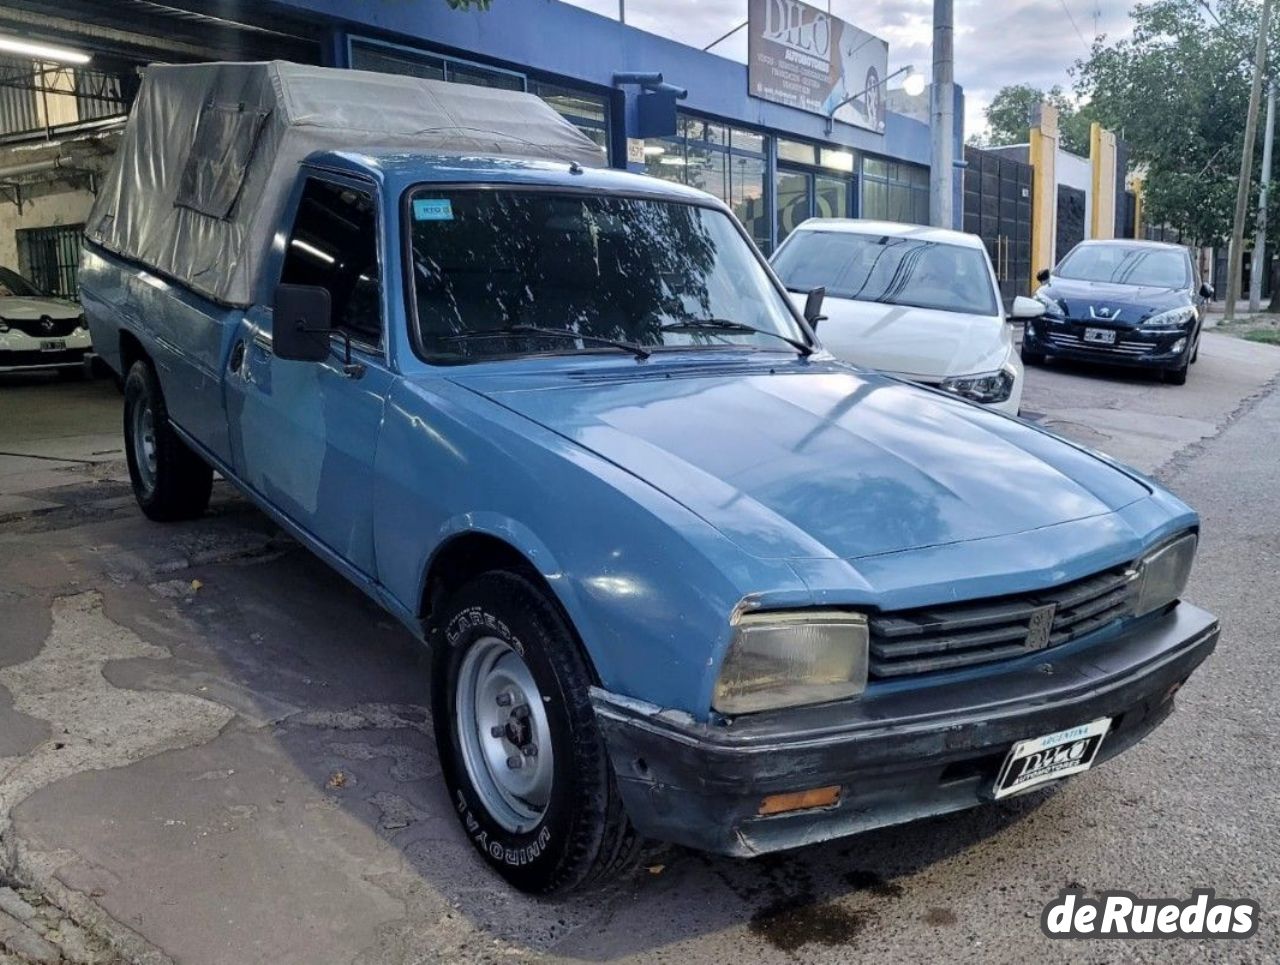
801,195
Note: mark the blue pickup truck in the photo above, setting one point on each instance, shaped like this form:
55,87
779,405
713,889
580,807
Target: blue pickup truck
684,576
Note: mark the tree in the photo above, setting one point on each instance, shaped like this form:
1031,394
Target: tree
1009,117
1177,91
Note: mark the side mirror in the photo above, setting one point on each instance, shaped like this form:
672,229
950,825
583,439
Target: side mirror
300,324
1207,292
1043,275
813,307
1024,308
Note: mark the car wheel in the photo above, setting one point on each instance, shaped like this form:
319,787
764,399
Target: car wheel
1195,351
1176,376
525,764
1031,358
170,481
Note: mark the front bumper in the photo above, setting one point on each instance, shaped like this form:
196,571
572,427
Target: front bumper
20,352
1133,346
897,756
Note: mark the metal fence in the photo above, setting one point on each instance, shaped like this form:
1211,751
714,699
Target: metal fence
48,257
36,99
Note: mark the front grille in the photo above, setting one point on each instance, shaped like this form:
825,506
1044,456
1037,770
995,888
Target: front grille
1121,346
36,327
960,635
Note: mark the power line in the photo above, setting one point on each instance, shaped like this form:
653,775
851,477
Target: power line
1074,26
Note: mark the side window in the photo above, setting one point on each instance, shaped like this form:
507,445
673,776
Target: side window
334,244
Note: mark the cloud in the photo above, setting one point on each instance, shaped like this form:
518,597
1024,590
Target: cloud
997,42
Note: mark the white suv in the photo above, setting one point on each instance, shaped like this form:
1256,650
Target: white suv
39,332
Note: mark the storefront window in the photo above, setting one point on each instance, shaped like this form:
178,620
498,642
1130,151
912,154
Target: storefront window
892,191
726,162
589,113
797,152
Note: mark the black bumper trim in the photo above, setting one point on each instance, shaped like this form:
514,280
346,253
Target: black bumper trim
897,756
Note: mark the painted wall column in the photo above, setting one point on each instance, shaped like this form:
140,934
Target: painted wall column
1102,158
1044,188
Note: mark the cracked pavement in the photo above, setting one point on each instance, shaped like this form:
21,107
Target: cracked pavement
214,750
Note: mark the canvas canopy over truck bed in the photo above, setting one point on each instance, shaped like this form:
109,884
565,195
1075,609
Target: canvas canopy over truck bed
211,152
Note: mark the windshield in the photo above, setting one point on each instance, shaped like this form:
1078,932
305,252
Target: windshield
604,266
11,283
895,271
1126,265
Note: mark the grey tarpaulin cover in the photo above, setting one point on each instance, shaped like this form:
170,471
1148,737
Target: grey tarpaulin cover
211,152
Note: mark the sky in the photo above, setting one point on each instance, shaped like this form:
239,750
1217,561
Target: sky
997,42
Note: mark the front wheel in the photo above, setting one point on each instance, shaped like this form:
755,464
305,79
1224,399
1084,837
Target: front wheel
1030,357
170,482
525,764
1176,376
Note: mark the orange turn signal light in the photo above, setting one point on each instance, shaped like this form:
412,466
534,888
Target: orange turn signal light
818,797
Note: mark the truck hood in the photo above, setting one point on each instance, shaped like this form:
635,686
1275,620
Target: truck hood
919,343
21,307
807,460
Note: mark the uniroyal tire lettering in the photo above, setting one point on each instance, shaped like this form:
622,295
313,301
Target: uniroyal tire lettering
494,849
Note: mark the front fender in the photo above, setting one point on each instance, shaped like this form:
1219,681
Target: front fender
648,585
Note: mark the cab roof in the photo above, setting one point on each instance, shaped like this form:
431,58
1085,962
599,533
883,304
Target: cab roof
398,170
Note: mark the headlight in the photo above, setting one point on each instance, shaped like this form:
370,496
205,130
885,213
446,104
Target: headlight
1052,307
989,387
1162,574
1174,318
789,659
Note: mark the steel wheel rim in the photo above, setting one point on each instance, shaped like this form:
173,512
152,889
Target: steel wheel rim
144,443
504,734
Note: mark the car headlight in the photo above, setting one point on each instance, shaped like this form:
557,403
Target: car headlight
1052,307
1162,574
788,659
1174,318
987,388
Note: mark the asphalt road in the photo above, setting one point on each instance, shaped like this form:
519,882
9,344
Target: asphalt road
213,750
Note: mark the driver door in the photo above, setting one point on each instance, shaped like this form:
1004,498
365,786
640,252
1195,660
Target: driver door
304,434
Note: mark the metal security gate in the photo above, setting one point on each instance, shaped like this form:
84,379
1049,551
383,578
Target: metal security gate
48,257
997,208
1071,214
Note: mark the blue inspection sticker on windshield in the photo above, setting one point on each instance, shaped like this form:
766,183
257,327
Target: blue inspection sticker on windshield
432,209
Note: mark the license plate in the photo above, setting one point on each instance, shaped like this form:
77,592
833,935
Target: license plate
1044,759
53,345
1100,336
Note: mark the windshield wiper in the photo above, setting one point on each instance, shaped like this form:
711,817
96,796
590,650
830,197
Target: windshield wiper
729,325
639,351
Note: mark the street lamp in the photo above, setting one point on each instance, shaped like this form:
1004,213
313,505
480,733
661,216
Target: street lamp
913,84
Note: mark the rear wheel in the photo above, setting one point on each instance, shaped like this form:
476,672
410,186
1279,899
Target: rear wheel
526,767
170,481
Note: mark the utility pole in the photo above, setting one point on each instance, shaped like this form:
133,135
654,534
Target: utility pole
1235,254
1259,268
942,117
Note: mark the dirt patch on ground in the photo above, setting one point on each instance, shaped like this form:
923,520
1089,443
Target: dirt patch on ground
1263,327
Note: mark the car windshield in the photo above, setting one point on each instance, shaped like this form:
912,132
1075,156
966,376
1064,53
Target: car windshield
1126,265
634,270
11,283
888,269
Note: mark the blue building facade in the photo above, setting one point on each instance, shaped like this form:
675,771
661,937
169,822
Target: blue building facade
775,165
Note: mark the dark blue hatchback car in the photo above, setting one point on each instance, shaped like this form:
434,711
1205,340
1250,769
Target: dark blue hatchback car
1137,303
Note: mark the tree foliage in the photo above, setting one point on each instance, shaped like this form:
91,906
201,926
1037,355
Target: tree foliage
1009,117
1177,90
